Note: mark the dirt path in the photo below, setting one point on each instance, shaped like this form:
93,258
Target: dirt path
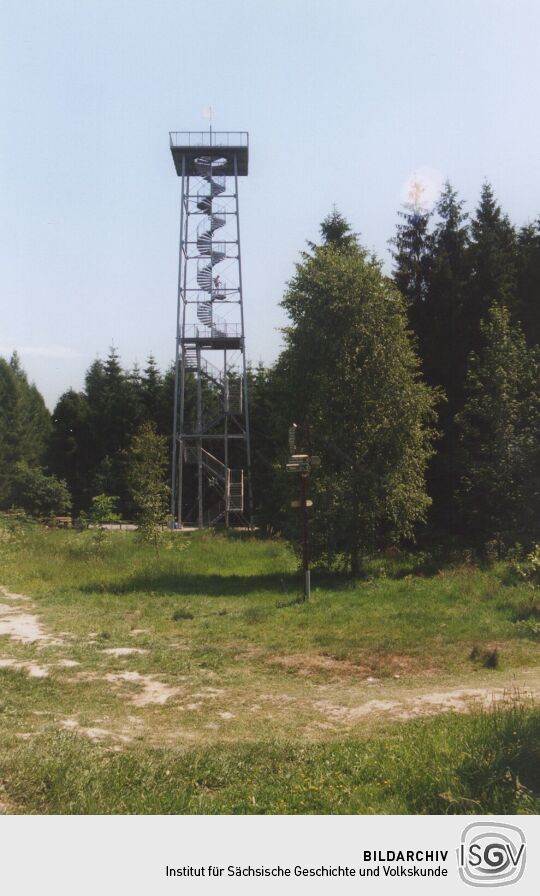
281,701
406,702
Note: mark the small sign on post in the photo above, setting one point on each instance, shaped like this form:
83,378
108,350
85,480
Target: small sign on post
302,465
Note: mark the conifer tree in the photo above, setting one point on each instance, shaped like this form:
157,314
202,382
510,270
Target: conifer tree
500,488
69,455
529,281
24,424
9,453
443,346
33,420
152,388
444,312
493,261
411,251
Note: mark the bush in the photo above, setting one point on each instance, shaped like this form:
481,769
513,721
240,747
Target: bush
37,493
181,614
529,569
103,510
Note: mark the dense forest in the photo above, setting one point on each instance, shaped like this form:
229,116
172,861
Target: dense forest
420,392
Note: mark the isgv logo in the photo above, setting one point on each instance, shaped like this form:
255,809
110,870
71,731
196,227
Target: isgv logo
491,854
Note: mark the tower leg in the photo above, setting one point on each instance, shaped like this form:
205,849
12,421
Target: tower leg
226,434
199,442
180,481
174,453
244,365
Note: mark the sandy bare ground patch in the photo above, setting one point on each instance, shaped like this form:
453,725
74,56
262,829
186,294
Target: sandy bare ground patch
11,595
123,651
352,713
95,734
209,693
33,669
460,700
21,625
415,704
151,690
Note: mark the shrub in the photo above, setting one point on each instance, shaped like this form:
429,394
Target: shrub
37,493
529,569
181,614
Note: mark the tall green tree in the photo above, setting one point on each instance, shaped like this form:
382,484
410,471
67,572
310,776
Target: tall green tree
353,386
69,455
411,251
115,409
500,434
493,260
147,464
24,424
442,329
8,426
529,281
33,423
336,231
269,420
152,388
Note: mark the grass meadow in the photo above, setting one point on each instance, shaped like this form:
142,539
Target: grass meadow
196,681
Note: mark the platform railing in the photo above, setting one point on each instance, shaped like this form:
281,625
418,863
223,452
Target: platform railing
209,138
228,330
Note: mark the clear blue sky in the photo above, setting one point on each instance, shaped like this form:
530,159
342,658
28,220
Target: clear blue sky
344,101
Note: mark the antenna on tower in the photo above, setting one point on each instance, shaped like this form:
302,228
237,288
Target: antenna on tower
207,113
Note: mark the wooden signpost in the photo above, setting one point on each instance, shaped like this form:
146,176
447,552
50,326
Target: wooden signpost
302,465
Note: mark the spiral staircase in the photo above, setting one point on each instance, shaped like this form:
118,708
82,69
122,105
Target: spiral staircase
211,252
227,483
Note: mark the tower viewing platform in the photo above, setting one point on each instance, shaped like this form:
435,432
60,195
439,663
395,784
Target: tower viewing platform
229,145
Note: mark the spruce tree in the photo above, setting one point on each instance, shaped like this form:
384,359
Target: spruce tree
25,424
33,420
411,251
9,453
443,346
529,281
493,260
116,409
336,231
70,448
500,488
151,389
444,312
269,423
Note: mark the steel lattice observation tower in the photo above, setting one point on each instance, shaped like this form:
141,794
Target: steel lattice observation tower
211,463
